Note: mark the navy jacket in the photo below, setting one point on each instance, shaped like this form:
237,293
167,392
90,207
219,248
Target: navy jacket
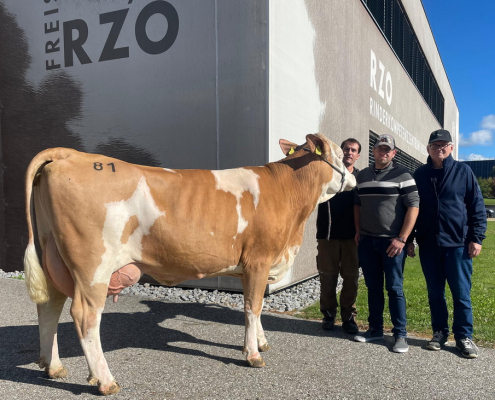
453,215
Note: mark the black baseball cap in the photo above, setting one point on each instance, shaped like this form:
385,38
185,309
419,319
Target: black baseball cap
440,135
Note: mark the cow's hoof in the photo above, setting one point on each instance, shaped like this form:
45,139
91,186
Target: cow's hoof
92,380
60,372
114,388
256,362
265,347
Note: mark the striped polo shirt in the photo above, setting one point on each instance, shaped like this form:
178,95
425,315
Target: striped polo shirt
384,198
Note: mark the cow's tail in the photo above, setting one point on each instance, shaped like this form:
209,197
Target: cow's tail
35,278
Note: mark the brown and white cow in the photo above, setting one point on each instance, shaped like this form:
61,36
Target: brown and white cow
103,222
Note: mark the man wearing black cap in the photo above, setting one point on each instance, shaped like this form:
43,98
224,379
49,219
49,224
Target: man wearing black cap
449,231
385,210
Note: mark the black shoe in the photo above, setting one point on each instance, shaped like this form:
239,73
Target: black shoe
467,347
328,323
350,327
437,341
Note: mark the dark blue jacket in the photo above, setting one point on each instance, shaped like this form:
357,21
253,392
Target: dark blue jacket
453,216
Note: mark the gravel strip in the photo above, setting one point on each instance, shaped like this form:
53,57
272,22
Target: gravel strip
293,298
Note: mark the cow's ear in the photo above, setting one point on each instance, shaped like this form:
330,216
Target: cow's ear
287,147
318,145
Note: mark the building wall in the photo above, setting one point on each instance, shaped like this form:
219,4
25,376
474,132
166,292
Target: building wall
332,71
481,168
178,84
234,78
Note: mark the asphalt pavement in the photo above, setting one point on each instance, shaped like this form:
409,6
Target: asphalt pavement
163,350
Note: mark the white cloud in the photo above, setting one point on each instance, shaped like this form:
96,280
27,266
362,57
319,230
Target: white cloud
488,122
482,137
475,157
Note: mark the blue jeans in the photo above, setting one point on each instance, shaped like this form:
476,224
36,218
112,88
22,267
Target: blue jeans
375,263
452,265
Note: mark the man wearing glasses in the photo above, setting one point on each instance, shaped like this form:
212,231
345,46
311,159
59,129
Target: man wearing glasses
449,231
385,210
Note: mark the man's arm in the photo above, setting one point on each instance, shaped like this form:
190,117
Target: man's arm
396,245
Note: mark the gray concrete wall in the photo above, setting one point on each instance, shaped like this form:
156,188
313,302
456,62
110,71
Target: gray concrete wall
178,84
322,58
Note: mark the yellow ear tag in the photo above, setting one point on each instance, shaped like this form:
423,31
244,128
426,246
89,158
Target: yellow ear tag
291,150
318,150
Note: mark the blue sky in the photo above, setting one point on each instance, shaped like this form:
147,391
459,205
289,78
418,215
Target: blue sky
465,34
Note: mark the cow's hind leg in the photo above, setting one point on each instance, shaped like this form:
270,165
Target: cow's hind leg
260,334
254,282
86,311
48,317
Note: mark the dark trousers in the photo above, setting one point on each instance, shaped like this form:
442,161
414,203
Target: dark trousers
334,257
452,265
376,264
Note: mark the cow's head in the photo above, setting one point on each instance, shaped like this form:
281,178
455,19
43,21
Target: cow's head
331,155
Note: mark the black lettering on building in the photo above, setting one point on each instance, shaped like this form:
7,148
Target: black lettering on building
51,47
169,12
117,19
75,46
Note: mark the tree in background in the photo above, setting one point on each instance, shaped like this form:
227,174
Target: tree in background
487,187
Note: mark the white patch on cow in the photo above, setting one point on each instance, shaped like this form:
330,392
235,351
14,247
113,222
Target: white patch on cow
260,334
251,336
278,271
117,254
173,171
230,270
91,345
212,234
237,181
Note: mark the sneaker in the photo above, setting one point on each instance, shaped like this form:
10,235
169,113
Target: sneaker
467,347
350,327
328,323
400,345
369,336
437,341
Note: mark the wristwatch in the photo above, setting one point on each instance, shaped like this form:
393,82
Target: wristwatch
401,240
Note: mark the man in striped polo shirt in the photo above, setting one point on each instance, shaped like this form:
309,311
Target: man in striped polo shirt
386,206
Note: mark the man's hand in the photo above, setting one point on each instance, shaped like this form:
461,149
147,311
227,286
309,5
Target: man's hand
395,247
410,250
474,249
356,238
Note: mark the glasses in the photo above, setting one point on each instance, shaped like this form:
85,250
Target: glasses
439,146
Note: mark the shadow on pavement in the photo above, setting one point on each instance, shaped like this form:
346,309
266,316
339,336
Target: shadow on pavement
146,330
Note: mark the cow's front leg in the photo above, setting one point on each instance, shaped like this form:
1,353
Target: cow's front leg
254,282
48,317
86,311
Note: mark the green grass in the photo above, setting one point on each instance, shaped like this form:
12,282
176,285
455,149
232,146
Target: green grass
418,312
489,202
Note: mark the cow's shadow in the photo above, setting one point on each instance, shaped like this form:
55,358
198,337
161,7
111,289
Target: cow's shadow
140,330
148,329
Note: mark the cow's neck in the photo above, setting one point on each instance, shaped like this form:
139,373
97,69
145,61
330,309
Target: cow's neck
298,185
